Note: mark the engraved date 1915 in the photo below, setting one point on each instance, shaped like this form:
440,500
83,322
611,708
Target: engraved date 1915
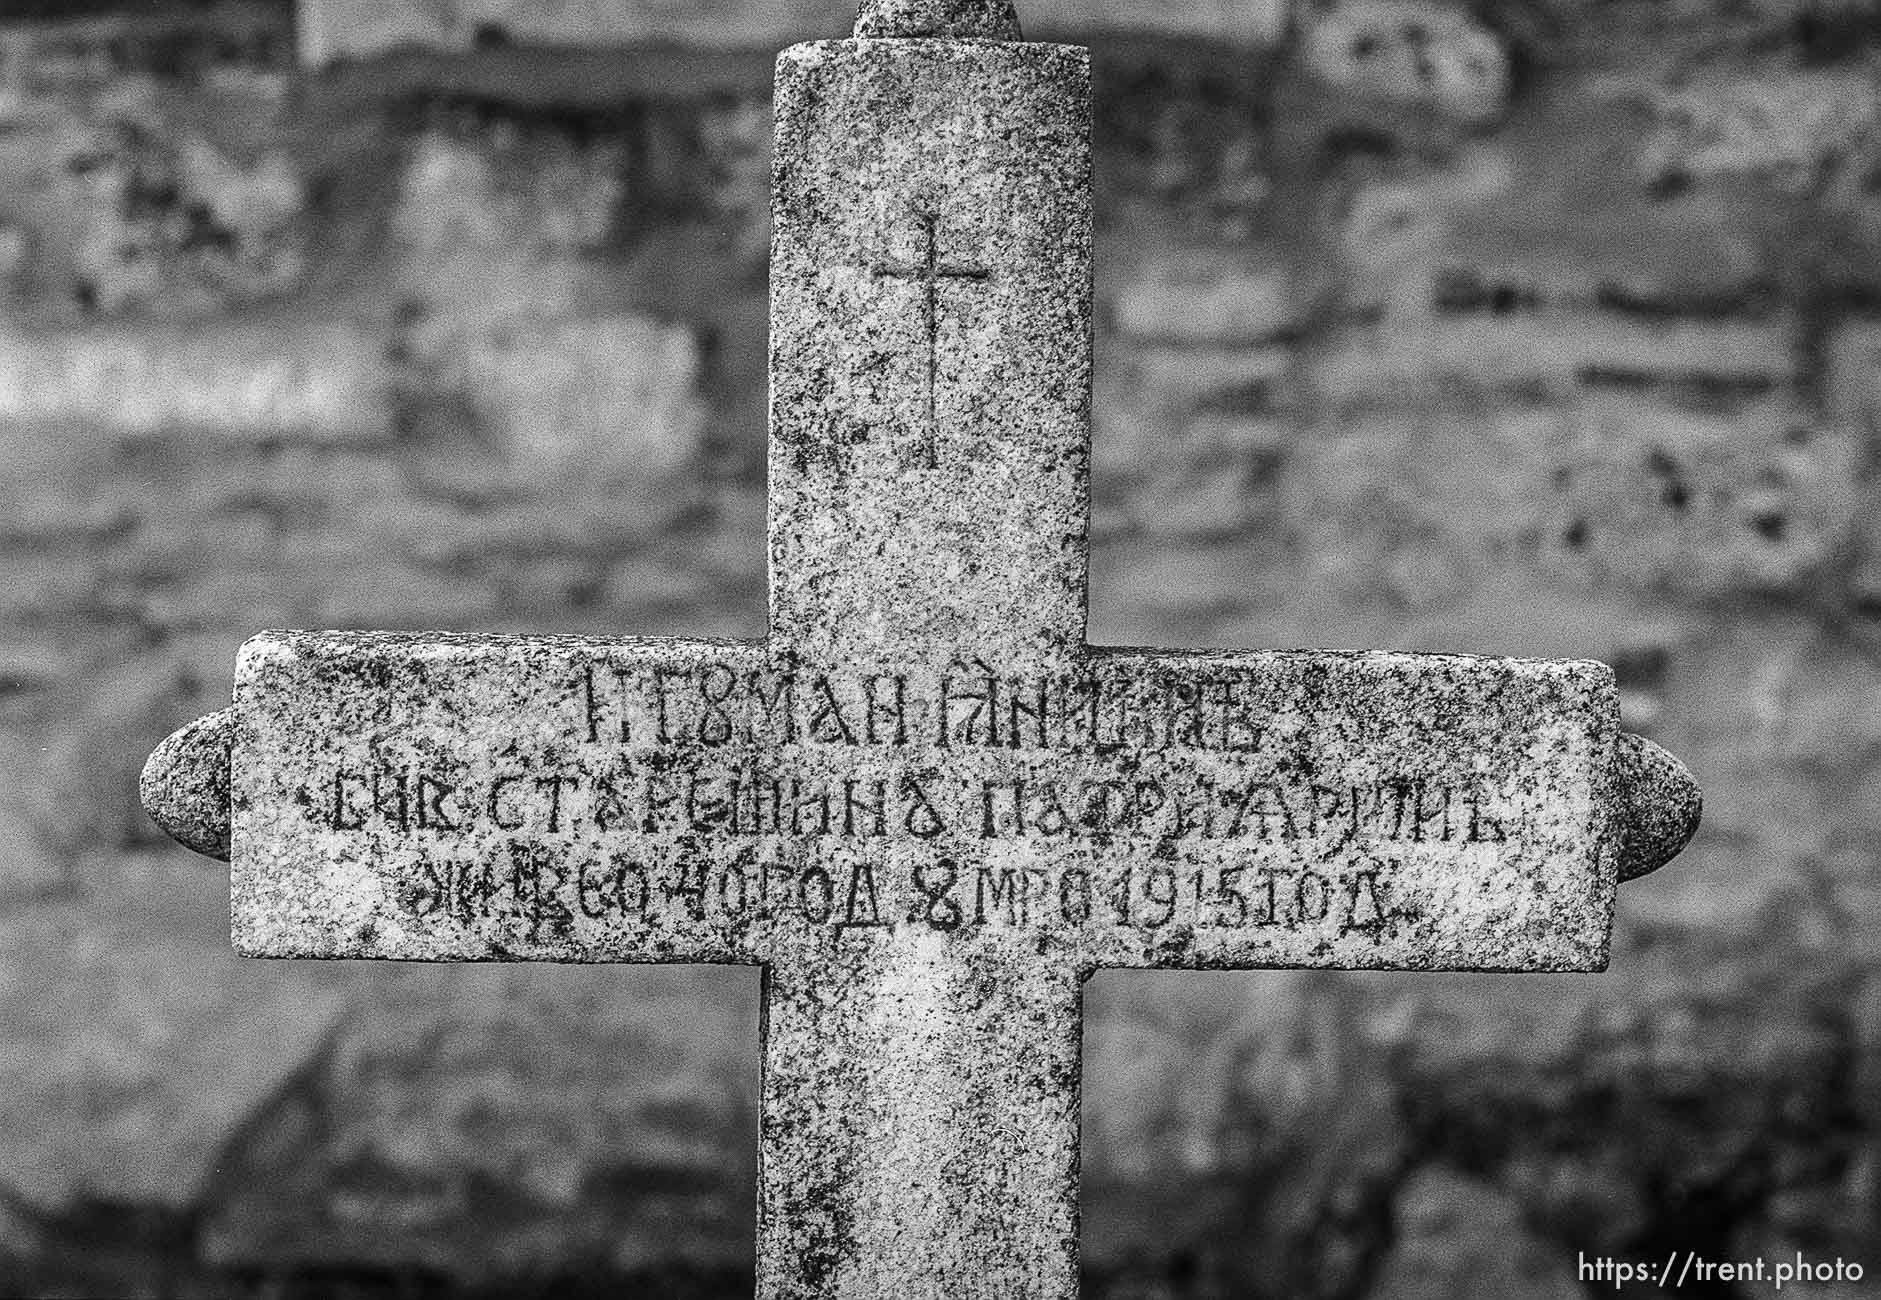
544,892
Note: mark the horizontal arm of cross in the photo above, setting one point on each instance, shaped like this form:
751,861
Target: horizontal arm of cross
663,800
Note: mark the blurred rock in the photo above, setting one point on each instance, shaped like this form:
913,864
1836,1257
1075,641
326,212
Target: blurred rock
1198,1112
1243,22
1459,1239
83,791
31,869
1850,878
1205,298
1854,398
134,1047
1171,406
1805,700
1854,374
516,183
503,386
483,1121
1680,1094
1414,52
1549,353
614,397
1789,127
1677,494
1865,1012
1733,887
333,29
126,206
1412,502
1592,1201
325,379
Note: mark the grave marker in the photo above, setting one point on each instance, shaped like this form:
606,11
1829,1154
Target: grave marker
923,804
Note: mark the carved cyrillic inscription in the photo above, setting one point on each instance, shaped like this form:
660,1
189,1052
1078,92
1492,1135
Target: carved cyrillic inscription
524,884
712,797
967,706
925,804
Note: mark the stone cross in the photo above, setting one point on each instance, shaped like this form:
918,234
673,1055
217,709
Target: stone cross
924,805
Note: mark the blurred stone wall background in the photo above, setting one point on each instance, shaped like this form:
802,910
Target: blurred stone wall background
1545,327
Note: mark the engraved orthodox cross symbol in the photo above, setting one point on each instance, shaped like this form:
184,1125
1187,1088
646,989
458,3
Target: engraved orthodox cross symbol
929,272
922,803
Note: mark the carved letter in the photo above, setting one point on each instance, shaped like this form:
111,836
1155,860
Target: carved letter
497,787
431,796
341,821
862,911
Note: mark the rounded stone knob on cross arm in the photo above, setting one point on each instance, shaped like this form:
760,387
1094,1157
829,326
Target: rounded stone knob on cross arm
186,783
1660,807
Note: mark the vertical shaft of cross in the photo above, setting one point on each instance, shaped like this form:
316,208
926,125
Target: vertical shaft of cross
959,170
974,19
921,1106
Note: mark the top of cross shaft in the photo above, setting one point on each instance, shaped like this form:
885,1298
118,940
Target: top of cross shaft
989,19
